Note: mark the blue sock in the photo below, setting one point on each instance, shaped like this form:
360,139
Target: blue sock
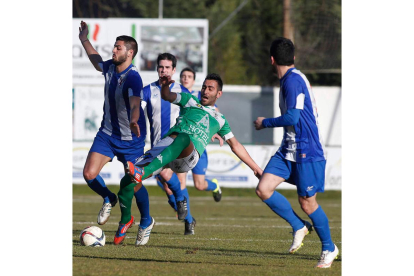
142,199
281,206
211,185
175,186
172,202
321,226
98,186
188,218
157,177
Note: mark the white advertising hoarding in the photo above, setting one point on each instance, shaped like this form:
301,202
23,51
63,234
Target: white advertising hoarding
222,164
187,39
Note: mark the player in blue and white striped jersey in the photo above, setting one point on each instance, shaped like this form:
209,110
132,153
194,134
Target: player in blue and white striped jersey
162,116
301,159
123,129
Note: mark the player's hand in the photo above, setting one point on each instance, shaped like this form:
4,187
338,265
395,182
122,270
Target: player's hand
166,80
258,123
258,173
218,137
83,31
135,129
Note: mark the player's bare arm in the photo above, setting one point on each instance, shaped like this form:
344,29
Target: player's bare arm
93,55
258,124
239,150
135,103
166,94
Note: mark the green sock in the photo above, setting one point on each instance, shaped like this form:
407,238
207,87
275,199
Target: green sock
169,154
125,195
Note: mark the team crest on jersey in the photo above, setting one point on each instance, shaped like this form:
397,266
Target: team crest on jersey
205,122
303,155
199,105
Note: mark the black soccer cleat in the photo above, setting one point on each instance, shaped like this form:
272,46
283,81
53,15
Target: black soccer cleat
189,227
182,209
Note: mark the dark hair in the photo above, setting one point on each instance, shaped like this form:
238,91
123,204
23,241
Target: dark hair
130,44
167,56
189,70
216,77
283,51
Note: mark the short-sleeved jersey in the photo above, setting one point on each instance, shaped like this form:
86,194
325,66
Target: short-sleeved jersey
161,114
118,88
301,142
199,122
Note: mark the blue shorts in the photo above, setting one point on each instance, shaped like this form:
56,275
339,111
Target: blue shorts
309,178
123,150
202,165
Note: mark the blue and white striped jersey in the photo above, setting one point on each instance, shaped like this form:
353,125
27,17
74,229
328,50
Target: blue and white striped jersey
161,114
301,142
118,88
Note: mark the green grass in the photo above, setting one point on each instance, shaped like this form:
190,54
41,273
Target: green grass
238,236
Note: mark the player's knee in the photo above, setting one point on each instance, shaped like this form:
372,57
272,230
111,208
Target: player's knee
260,192
89,174
308,206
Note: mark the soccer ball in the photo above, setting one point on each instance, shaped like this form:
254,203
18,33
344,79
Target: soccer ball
92,236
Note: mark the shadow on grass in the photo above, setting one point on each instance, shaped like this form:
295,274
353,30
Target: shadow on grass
158,261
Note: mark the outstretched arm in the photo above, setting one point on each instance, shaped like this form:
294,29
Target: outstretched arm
244,156
291,118
93,55
166,94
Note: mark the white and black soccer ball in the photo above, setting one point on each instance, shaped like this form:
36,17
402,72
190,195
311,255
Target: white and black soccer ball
92,236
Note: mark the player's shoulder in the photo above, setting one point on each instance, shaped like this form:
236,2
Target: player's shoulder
295,78
178,88
106,65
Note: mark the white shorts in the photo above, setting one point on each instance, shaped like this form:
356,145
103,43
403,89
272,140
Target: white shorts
177,165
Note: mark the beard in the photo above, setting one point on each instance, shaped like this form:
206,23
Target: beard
120,60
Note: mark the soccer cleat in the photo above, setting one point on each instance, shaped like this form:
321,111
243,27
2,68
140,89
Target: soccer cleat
298,237
189,227
144,234
217,191
134,172
121,233
327,257
105,212
182,209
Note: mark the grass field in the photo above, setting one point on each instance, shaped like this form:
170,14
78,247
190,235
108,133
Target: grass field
238,236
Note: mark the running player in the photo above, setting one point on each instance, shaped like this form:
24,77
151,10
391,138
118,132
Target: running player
301,158
182,146
122,132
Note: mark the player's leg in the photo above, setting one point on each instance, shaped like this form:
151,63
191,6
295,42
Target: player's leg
125,195
311,179
173,183
180,147
170,195
131,151
276,171
189,220
201,183
100,154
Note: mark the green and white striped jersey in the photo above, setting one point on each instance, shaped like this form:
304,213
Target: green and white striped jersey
199,122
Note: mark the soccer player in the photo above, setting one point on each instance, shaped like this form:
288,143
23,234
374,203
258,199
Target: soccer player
162,116
122,132
187,78
301,158
182,146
